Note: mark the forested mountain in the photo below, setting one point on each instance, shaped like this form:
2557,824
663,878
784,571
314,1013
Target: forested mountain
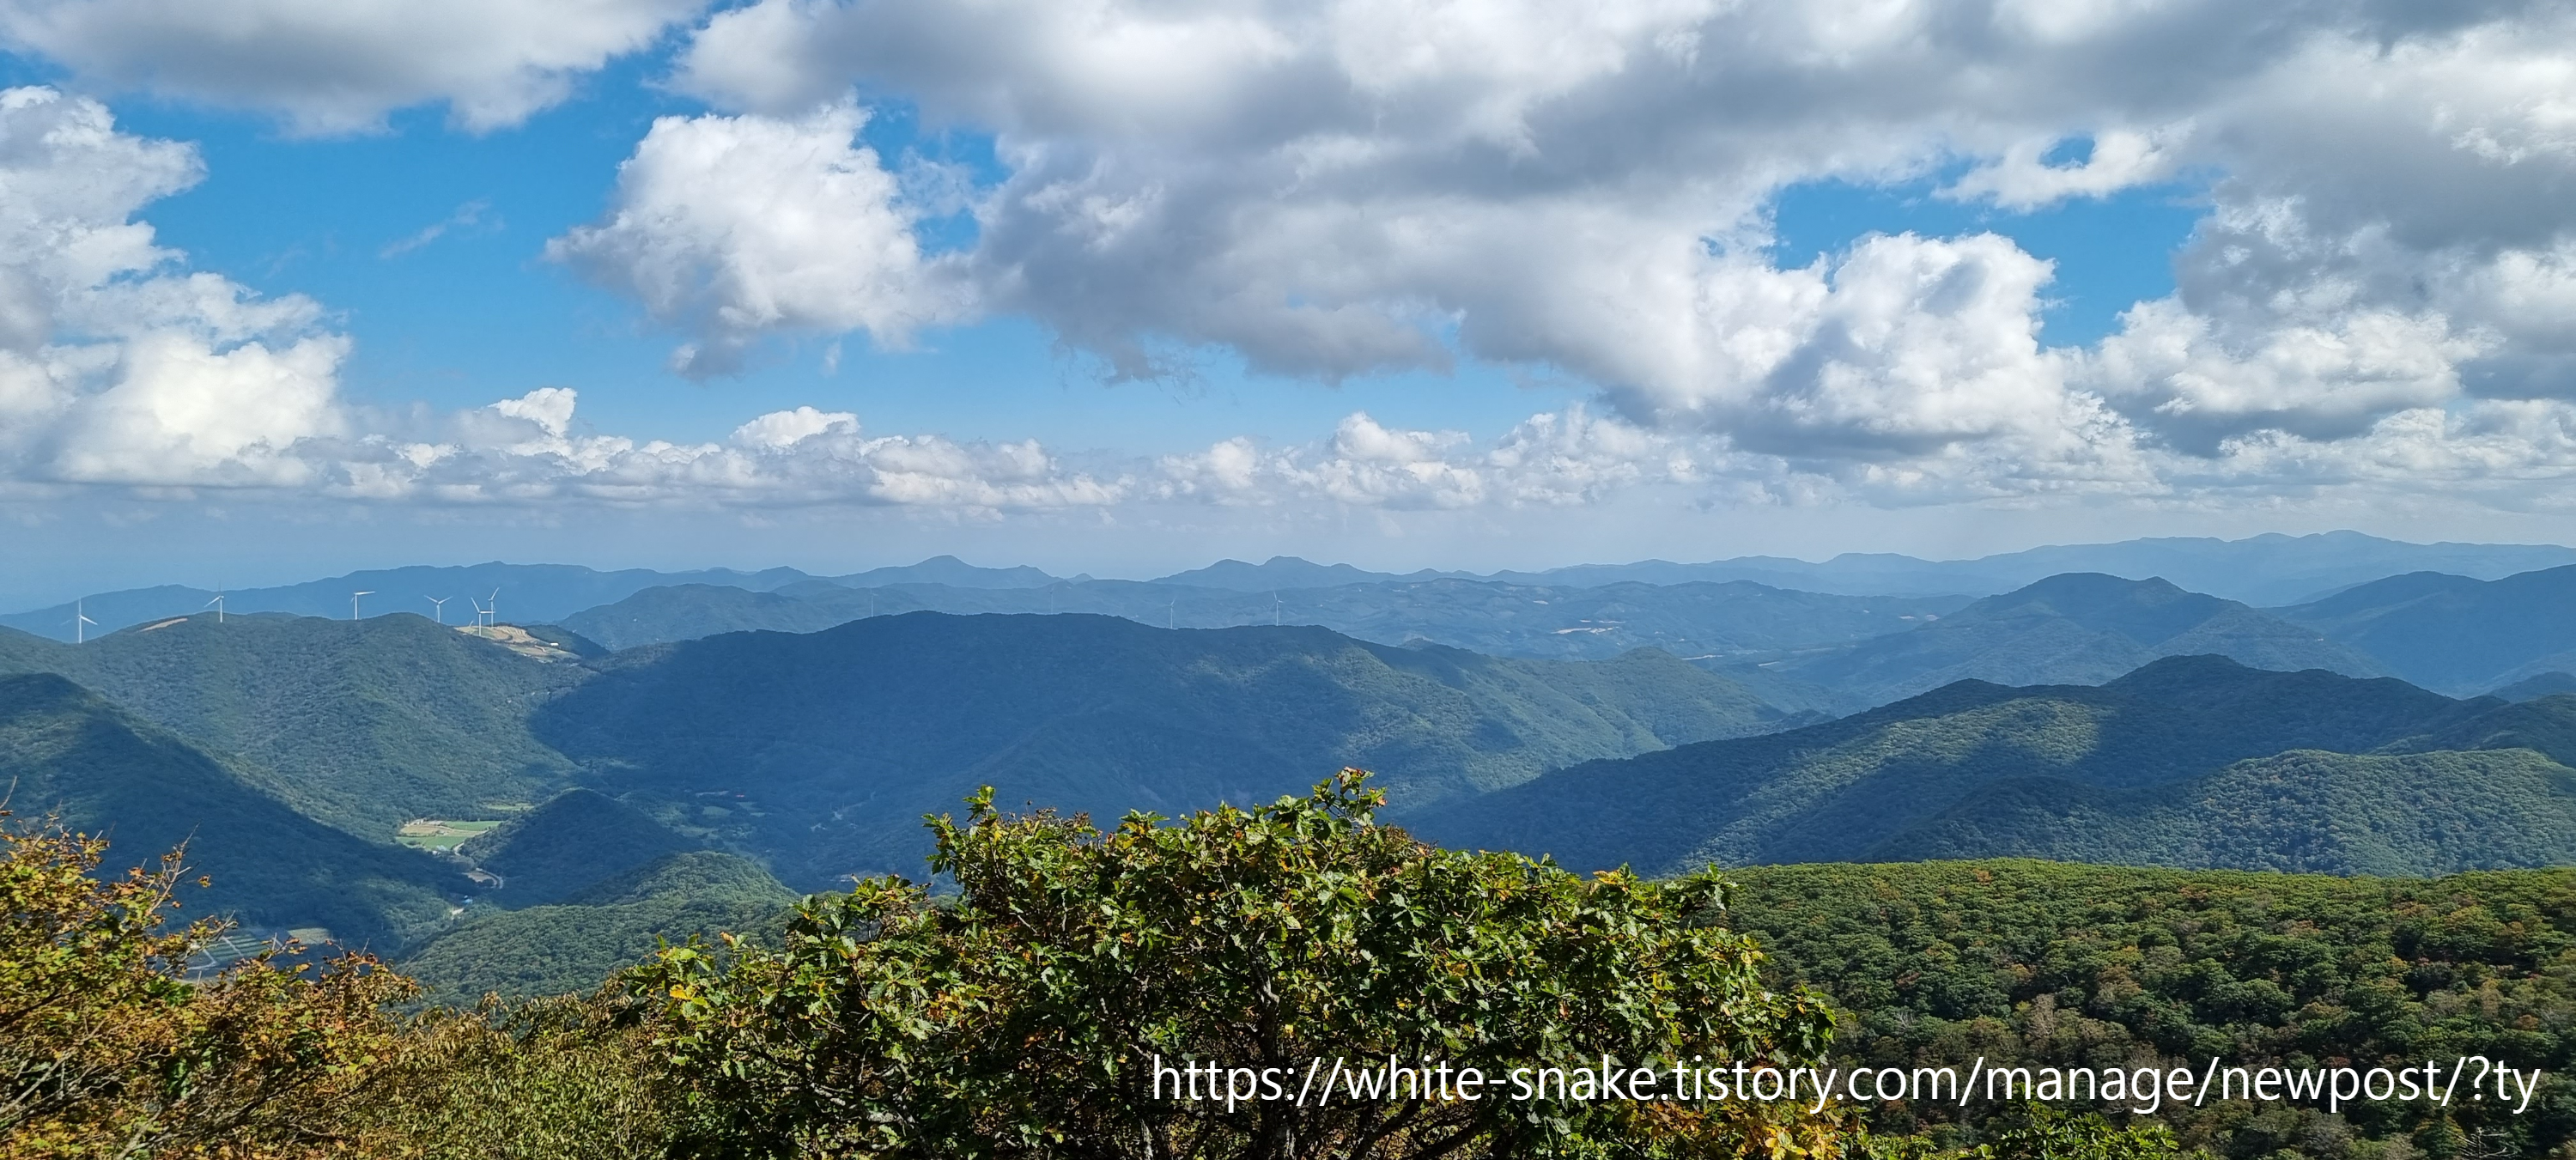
2031,964
1724,623
2455,633
363,725
569,945
2188,761
823,750
2074,629
65,751
576,840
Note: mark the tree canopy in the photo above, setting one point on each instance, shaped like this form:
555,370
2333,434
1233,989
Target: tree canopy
1028,1013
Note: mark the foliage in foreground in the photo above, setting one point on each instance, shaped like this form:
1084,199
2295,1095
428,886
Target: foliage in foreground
106,1049
2038,963
1024,1017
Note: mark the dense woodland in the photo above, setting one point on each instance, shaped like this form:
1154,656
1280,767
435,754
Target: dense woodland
1012,1017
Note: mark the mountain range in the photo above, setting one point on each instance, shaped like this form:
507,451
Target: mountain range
617,792
2260,570
2456,633
821,751
2188,761
2076,629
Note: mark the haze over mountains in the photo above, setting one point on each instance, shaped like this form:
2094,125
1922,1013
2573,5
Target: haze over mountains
681,756
2261,570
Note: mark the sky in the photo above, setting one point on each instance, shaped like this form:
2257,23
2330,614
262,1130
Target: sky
290,287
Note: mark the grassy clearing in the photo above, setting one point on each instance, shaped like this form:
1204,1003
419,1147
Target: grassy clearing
437,834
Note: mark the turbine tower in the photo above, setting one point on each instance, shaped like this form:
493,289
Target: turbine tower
438,607
492,607
353,601
218,605
81,622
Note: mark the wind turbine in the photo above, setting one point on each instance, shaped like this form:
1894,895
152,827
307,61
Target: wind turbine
81,622
1274,610
353,601
492,607
438,607
1172,615
218,605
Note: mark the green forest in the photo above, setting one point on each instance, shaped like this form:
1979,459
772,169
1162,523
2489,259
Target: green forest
1022,1007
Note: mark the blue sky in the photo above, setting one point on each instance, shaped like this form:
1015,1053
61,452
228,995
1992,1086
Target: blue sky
1564,292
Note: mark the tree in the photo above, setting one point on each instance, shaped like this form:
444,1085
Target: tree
1053,1004
109,1048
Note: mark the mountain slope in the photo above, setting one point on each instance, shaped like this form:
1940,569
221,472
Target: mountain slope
2455,633
65,750
823,750
567,948
363,725
1722,622
2409,814
2079,628
578,838
1851,789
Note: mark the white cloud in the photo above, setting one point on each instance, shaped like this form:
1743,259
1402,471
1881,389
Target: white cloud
341,65
1355,186
115,366
527,450
2023,179
732,227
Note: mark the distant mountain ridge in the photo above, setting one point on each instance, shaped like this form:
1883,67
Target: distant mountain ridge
2189,761
822,750
2074,629
519,593
2457,634
2266,570
1735,621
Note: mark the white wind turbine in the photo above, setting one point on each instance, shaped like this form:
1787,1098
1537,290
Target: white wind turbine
1172,615
81,622
492,607
438,607
218,605
1274,610
353,601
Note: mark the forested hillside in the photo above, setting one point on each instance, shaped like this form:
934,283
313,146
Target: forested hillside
2454,633
2073,629
361,724
2033,963
67,753
571,943
2187,761
821,751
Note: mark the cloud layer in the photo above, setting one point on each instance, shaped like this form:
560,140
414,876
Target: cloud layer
2376,298
1339,188
335,66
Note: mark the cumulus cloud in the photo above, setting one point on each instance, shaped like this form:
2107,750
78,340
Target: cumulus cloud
1346,187
115,365
340,65
733,227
